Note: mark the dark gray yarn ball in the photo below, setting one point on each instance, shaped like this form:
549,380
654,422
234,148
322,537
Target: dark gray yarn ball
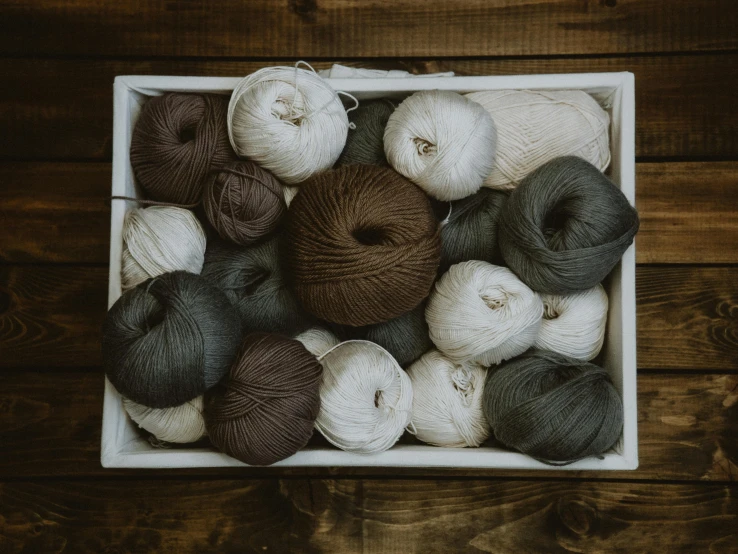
553,408
565,227
169,340
365,143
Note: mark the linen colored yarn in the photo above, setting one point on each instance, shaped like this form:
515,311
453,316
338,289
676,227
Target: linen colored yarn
169,340
177,140
565,227
158,240
365,142
553,408
288,120
267,406
443,142
447,401
289,194
178,424
362,244
574,324
482,313
243,202
535,127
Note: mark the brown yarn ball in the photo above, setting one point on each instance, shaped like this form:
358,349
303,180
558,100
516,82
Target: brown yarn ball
177,140
362,245
265,409
243,202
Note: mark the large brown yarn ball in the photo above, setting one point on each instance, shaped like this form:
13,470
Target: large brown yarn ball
362,245
266,407
177,140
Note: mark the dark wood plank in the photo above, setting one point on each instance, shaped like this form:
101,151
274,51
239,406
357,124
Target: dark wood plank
684,104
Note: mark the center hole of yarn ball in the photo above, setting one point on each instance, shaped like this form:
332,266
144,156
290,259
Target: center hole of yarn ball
188,134
283,109
554,223
424,147
549,312
495,302
155,318
377,396
253,280
370,236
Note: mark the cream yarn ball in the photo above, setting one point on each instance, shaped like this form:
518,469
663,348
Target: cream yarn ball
447,401
288,120
483,313
574,324
178,424
535,127
443,142
158,240
317,340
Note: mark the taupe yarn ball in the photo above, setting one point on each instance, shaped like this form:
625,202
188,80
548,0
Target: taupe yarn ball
362,245
565,227
553,408
365,142
169,340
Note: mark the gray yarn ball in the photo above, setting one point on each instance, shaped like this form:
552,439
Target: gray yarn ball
365,143
169,339
553,408
565,227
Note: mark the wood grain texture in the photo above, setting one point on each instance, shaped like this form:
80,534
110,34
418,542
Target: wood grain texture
684,104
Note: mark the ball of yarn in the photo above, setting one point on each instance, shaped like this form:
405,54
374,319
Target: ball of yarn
158,240
362,244
177,140
565,227
169,339
253,280
178,424
447,401
482,313
443,142
267,406
535,127
243,202
365,142
470,231
317,340
553,408
289,120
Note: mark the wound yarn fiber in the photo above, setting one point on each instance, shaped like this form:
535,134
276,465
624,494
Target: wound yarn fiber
534,127
552,407
362,245
178,139
160,239
178,424
289,194
169,339
265,410
447,401
289,121
365,140
243,202
565,227
443,142
482,313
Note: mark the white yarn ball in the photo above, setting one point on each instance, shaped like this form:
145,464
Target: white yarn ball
447,401
443,142
483,313
158,240
535,127
317,341
288,120
180,424
574,325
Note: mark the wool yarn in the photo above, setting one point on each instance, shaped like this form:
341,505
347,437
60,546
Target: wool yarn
288,120
482,313
289,194
574,324
158,240
178,139
365,141
267,406
443,142
178,424
535,127
552,407
317,340
169,339
243,202
565,227
447,401
253,280
362,245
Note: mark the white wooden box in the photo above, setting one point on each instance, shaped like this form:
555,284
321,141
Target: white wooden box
122,443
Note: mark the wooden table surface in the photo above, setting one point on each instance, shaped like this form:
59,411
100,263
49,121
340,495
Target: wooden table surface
58,59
